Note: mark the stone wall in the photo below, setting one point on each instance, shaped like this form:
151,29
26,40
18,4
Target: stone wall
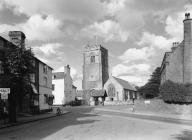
174,69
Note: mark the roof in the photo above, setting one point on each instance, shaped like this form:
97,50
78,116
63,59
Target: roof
42,62
124,84
74,87
97,93
93,93
58,75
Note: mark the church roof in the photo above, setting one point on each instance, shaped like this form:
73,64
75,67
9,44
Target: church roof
97,93
92,93
58,75
124,84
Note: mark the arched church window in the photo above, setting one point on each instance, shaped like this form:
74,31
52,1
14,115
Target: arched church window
92,59
111,90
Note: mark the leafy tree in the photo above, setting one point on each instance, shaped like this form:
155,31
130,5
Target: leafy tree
151,88
18,66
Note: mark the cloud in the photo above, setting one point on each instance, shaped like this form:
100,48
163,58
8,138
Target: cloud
62,9
37,28
139,69
155,41
134,54
137,74
47,49
108,29
135,80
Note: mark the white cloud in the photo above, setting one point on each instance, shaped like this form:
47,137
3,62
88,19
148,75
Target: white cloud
139,69
48,49
134,54
37,28
155,41
136,80
174,26
62,9
109,30
114,6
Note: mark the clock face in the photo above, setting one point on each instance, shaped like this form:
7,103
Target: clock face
93,74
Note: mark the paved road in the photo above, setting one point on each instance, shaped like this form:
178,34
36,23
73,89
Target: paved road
85,124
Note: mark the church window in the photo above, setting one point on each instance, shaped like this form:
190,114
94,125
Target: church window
111,90
92,59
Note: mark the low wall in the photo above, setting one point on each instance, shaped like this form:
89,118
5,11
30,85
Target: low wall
158,105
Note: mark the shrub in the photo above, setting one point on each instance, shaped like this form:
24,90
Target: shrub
176,92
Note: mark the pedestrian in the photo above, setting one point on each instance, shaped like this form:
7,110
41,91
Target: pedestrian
5,113
58,111
133,105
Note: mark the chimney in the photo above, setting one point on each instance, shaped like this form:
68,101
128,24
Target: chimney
187,50
187,15
17,38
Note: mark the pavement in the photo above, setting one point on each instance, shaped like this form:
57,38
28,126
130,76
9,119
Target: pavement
30,118
128,110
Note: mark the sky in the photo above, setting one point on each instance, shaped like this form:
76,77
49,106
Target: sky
136,33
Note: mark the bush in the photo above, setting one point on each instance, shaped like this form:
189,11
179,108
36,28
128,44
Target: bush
176,92
75,103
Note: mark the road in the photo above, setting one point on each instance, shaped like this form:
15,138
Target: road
83,123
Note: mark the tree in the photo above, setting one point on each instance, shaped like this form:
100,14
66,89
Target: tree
18,66
151,88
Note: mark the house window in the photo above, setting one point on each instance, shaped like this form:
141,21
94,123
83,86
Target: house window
111,90
92,59
45,81
54,77
33,63
1,68
53,87
45,98
32,78
45,69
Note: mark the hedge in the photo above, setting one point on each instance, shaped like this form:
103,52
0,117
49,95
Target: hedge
176,92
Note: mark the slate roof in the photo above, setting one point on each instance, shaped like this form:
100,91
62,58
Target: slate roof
92,93
97,93
58,75
125,84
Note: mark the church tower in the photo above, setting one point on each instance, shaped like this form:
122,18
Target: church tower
187,49
95,67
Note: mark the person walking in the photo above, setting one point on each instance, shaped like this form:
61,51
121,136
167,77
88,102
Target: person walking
133,104
5,113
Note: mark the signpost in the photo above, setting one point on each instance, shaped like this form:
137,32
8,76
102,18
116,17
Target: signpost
4,93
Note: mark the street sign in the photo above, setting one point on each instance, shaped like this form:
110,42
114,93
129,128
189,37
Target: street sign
4,96
4,90
4,93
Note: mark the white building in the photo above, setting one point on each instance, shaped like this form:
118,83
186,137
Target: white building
63,91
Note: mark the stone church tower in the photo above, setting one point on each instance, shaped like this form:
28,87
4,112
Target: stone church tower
187,49
95,67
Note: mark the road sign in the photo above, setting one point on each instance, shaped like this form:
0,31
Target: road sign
4,96
4,90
